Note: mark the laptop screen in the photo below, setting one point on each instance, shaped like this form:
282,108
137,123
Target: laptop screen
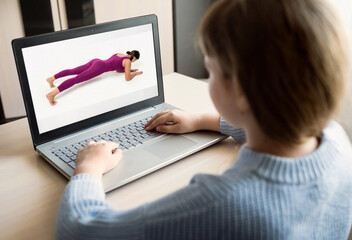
89,75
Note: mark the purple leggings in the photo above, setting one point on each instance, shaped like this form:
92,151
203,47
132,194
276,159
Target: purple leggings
85,72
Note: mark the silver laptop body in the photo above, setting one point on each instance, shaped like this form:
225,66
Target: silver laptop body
58,131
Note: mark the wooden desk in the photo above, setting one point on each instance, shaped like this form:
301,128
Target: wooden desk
30,188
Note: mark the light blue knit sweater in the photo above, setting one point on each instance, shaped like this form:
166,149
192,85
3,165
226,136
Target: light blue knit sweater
260,197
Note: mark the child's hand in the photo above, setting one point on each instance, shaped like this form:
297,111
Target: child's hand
134,70
173,121
97,158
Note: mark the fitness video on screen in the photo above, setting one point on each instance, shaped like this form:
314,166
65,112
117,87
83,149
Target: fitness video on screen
75,79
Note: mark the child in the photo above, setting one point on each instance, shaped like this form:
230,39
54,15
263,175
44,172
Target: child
277,70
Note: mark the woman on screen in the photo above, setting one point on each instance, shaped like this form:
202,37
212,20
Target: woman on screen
119,62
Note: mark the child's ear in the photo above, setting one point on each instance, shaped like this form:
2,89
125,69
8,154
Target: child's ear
241,99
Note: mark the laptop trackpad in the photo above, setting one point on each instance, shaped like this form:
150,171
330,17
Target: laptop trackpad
170,146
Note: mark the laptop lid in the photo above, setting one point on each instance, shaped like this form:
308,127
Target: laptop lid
100,99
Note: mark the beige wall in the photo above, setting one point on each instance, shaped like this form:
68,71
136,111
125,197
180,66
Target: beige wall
345,117
10,28
109,10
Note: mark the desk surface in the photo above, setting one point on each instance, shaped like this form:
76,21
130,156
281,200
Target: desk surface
30,188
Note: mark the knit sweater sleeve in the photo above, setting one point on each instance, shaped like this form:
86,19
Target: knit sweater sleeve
84,213
238,134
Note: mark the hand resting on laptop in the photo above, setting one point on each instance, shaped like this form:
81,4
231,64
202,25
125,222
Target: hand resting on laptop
100,157
183,122
97,158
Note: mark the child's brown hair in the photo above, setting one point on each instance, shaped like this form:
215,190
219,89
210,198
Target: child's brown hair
288,57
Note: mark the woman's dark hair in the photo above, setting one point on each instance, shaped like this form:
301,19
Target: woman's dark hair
133,53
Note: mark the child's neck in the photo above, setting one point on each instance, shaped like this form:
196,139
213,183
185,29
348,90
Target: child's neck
257,141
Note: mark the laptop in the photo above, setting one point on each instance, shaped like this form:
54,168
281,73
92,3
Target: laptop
106,107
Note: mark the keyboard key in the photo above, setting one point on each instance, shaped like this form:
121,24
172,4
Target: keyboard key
66,152
71,149
118,132
128,146
111,134
127,136
74,151
57,152
65,159
122,147
106,138
145,135
70,154
147,138
77,146
135,143
137,137
123,142
72,164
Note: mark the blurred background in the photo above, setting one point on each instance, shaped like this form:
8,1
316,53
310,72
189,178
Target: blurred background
178,22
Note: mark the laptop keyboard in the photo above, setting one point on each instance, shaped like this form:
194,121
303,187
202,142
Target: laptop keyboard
128,136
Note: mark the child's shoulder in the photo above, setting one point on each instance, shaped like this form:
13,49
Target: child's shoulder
335,134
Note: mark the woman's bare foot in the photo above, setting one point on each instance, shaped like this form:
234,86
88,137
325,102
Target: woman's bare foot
51,99
51,80
51,96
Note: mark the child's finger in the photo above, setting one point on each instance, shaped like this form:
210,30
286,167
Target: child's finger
113,146
90,143
161,120
155,117
117,154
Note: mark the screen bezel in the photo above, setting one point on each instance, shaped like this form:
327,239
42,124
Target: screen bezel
19,44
